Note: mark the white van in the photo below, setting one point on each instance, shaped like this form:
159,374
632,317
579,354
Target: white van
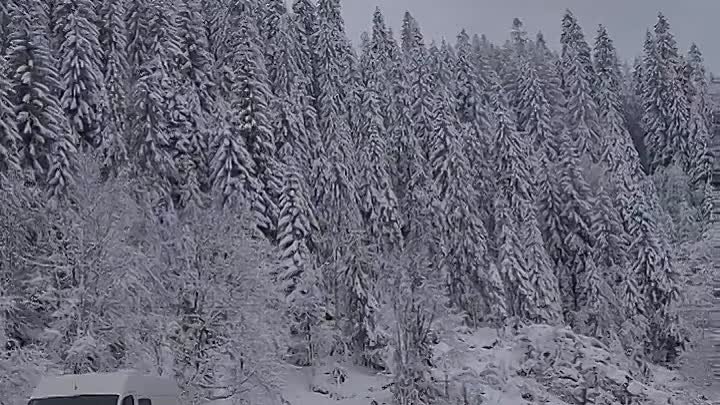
119,388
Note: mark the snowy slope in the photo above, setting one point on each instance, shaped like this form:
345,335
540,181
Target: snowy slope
540,364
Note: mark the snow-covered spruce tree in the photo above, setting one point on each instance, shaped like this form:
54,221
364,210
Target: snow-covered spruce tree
364,51
275,49
336,68
213,16
397,93
159,110
286,76
304,19
676,103
196,67
603,311
399,125
599,314
348,272
623,194
413,108
618,150
474,286
382,42
352,91
634,329
445,61
535,123
511,260
577,81
572,36
534,118
708,211
474,112
332,123
695,72
532,286
539,109
411,177
550,210
332,107
698,81
136,20
420,76
674,191
48,145
151,143
497,57
417,302
666,105
80,57
673,177
610,239
700,155
256,117
481,47
547,63
269,14
651,187
377,200
575,232
292,141
294,118
381,55
309,340
632,103
9,137
6,24
700,159
517,50
232,170
113,36
196,48
652,266
410,34
347,275
297,239
304,100
358,299
645,75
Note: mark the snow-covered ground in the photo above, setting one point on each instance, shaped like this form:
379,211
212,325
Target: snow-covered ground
541,364
360,387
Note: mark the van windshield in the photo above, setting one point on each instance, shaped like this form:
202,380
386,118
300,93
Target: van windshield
77,400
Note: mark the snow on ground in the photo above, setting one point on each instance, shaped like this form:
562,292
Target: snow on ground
359,388
540,364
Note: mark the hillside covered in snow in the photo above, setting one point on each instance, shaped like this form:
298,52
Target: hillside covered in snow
231,193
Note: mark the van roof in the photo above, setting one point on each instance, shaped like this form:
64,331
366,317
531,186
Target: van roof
116,383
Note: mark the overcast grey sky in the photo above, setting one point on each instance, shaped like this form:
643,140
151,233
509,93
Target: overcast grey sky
626,20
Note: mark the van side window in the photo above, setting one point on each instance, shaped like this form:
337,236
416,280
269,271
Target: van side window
128,400
144,401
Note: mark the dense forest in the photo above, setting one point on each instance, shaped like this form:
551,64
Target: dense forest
211,189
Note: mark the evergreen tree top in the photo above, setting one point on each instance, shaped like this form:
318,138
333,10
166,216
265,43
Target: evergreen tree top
665,41
518,36
606,61
411,37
